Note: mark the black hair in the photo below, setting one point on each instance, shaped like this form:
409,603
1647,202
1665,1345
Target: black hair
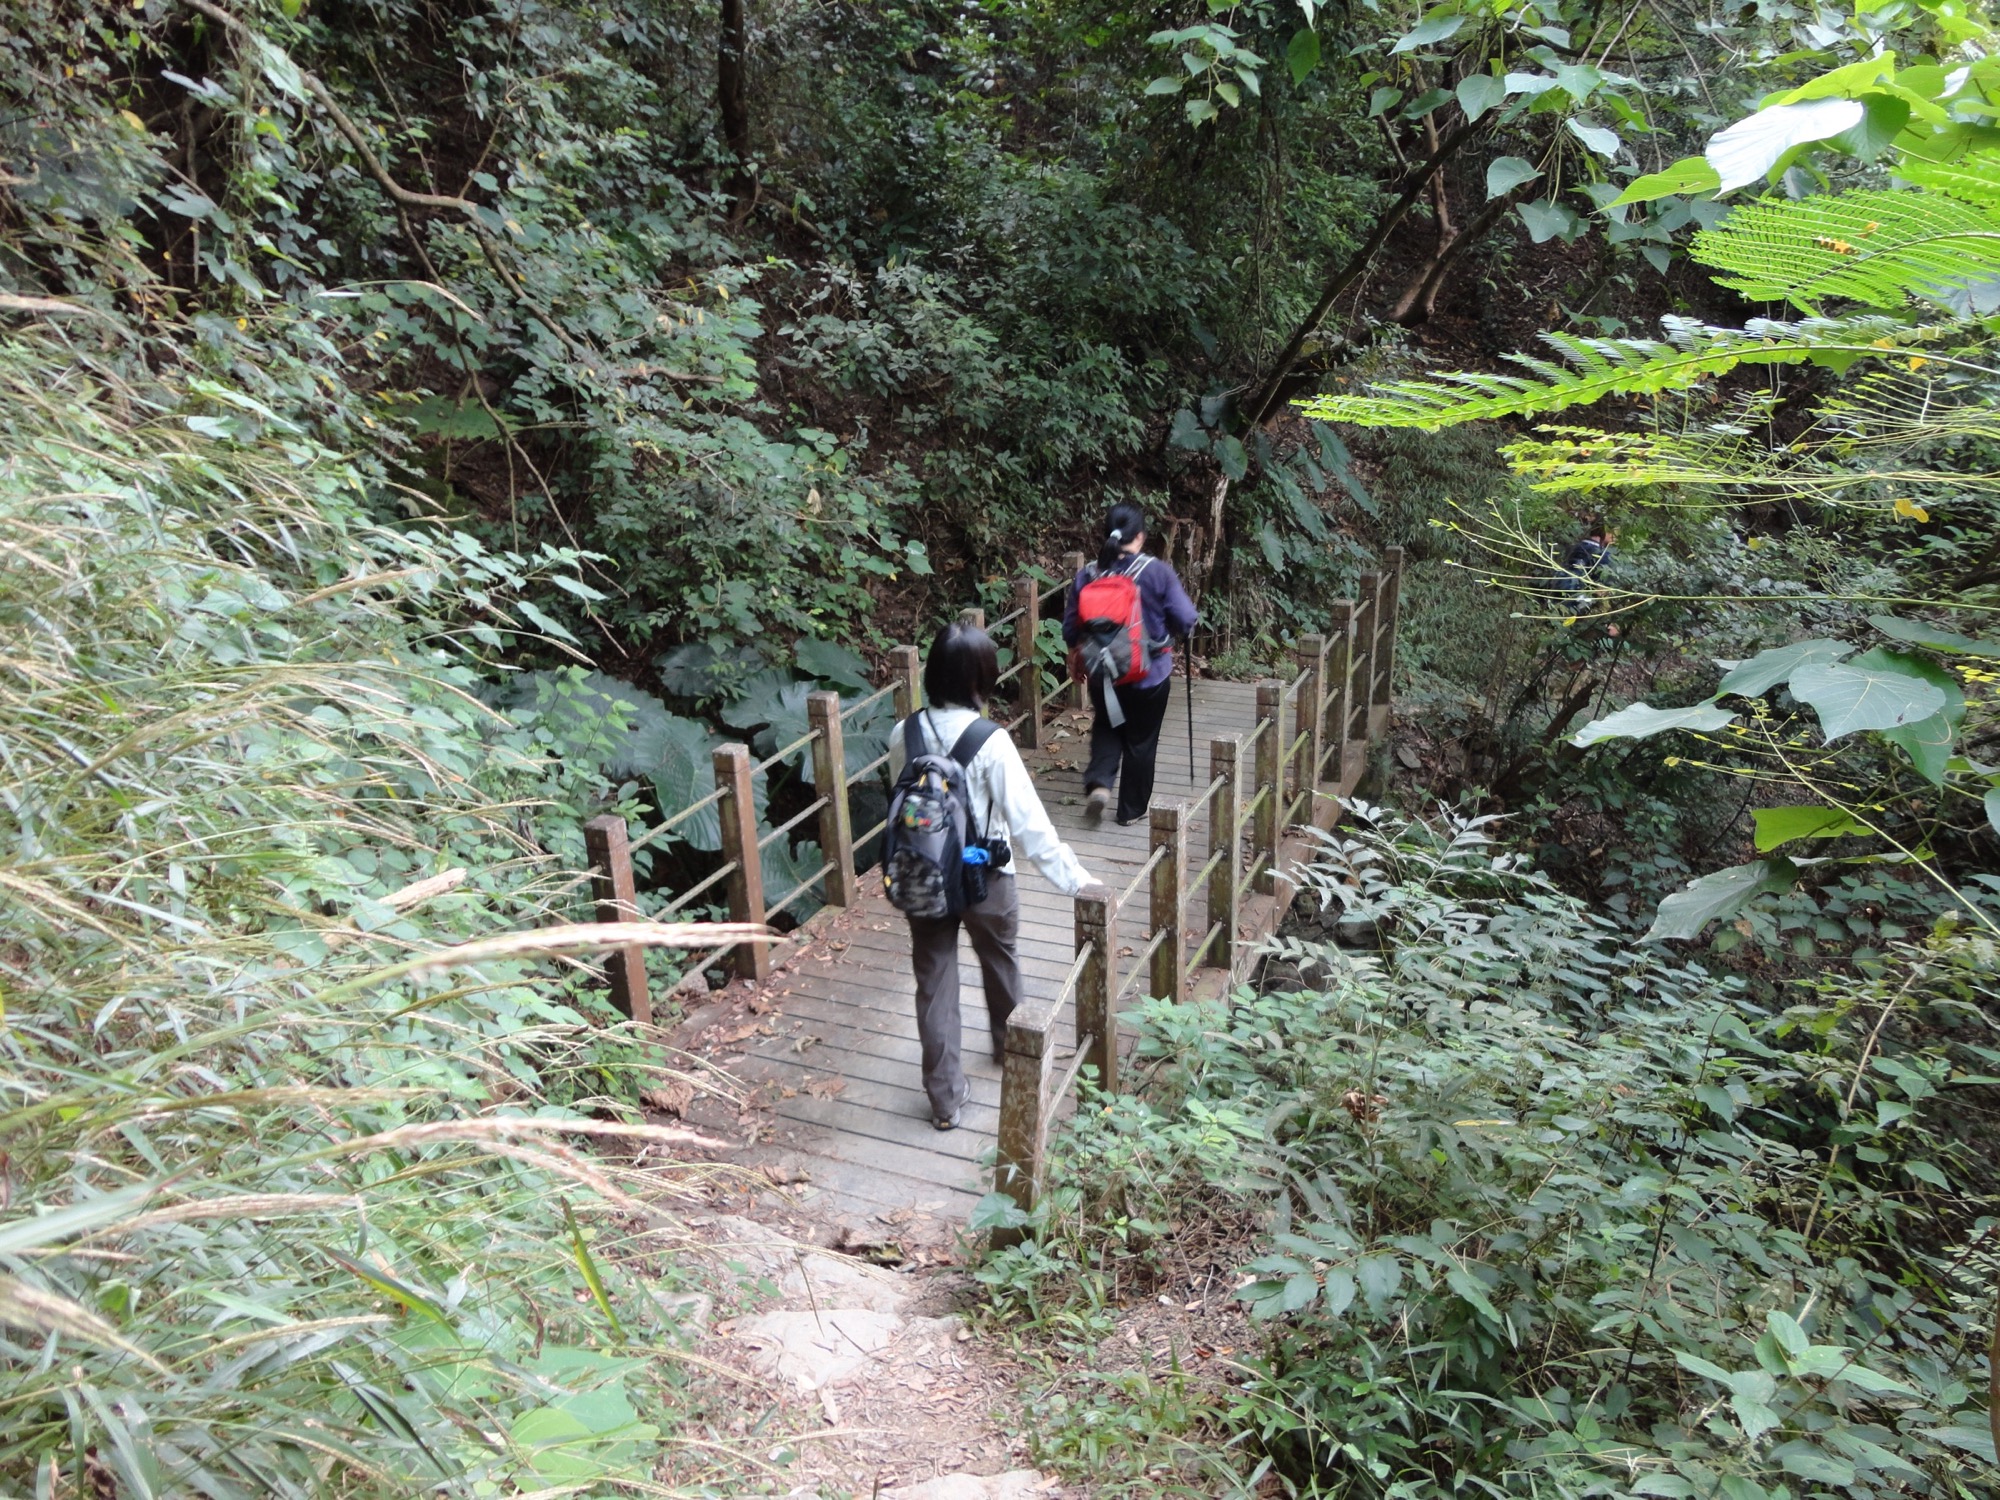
963,668
1594,528
1121,523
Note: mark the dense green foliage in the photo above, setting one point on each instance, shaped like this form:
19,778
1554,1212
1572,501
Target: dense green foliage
295,1212
1547,1215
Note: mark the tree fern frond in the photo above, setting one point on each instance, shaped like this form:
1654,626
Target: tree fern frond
1584,460
1598,369
1975,179
1880,248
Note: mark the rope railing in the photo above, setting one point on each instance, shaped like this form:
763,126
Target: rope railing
849,710
871,768
1133,884
872,834
800,889
680,902
789,824
1251,808
661,830
1141,962
1200,877
1200,804
784,751
1207,942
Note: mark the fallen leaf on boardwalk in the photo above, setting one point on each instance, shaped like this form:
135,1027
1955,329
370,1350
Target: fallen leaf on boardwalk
1125,952
672,1097
806,1043
825,1088
741,1033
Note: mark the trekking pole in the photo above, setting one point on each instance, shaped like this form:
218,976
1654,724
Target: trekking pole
1187,649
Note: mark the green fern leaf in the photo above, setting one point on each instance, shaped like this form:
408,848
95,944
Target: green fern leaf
1601,368
1879,248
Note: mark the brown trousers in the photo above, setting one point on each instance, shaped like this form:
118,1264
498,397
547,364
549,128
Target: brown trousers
993,925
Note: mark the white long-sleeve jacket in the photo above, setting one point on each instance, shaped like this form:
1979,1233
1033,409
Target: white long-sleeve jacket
1002,793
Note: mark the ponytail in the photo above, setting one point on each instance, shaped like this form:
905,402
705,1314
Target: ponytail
1123,522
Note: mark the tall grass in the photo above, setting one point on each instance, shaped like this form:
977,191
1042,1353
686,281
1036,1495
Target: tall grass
269,1226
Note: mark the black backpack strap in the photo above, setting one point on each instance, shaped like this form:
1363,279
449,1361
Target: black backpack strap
913,741
977,733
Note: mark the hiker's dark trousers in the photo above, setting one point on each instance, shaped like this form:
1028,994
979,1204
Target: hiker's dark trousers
994,924
1124,753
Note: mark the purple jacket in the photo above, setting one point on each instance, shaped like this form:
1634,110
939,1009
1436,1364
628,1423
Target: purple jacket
1167,609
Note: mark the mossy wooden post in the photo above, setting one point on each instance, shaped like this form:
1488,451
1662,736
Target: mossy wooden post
1169,908
1312,717
975,617
1265,826
1024,1093
610,853
1367,612
1340,691
836,822
903,669
1388,618
1079,696
739,845
1027,627
1096,1026
1225,881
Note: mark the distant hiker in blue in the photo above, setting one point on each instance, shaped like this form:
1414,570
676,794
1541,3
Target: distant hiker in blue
1579,566
1123,612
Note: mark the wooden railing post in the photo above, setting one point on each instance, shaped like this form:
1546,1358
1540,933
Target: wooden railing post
1024,1093
1074,561
610,853
1365,615
739,843
1340,689
1264,828
836,822
1225,882
1312,716
1387,621
1169,910
1027,630
975,617
903,667
1096,1025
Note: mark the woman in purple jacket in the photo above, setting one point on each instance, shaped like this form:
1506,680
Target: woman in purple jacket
1126,738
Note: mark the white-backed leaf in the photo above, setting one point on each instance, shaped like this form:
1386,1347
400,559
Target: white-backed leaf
1765,670
1747,150
1722,894
1505,173
1876,691
1639,722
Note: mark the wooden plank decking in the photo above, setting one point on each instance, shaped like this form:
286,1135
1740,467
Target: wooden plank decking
830,1043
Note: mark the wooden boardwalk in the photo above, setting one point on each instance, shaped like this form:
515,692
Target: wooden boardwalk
829,1043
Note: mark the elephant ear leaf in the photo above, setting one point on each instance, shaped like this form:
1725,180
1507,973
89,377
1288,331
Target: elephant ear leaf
1877,690
1928,743
683,775
1764,671
1639,722
1722,894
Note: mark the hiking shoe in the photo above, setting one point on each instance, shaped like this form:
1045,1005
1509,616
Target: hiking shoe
950,1123
1094,804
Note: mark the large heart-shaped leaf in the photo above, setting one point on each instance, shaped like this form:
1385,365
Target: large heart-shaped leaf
1781,825
1722,894
834,665
1880,690
1933,637
1929,742
1479,92
1765,670
1546,220
1749,149
1505,173
1640,722
1432,29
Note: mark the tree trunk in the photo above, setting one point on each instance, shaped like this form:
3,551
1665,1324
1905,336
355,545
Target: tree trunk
1419,299
1414,185
733,102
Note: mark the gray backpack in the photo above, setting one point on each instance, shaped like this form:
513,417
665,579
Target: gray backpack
931,825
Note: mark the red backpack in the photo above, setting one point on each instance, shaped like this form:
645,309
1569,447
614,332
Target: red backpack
1111,639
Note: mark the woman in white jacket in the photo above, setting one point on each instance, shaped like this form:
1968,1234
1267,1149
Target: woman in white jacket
959,677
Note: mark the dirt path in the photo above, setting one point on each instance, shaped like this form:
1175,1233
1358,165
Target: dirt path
874,1369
